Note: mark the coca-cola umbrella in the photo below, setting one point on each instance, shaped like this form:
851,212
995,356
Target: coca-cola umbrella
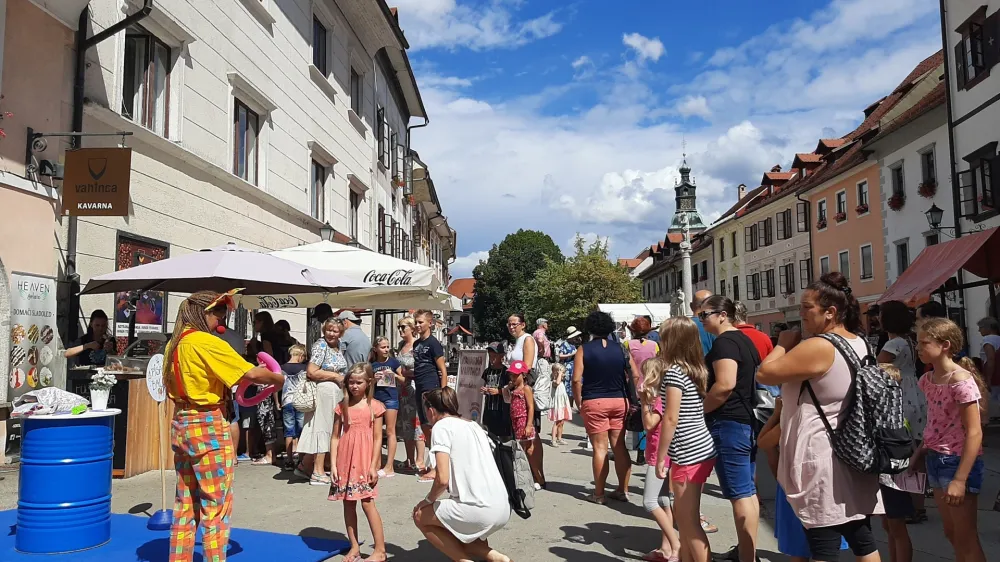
391,283
221,269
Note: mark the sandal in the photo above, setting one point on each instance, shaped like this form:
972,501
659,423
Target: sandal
708,527
619,496
316,480
260,462
599,500
656,556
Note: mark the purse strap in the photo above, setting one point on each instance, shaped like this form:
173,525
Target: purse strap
853,363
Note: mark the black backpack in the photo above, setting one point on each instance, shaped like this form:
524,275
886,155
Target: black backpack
872,436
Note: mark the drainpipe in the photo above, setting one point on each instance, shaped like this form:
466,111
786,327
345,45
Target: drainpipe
83,43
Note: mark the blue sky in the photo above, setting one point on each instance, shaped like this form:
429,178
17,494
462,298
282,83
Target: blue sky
570,117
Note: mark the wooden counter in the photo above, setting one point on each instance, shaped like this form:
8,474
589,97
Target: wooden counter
136,432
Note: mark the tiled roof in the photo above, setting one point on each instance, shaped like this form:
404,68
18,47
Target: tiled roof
675,237
465,287
777,176
629,263
808,158
747,199
933,99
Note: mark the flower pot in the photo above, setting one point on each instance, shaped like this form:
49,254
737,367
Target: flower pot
99,398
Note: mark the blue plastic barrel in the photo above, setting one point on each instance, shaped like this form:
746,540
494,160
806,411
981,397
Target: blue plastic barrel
64,489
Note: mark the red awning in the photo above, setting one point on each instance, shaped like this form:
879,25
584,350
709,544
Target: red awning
936,264
459,329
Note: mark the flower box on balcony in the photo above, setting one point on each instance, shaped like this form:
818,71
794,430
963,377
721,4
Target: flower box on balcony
986,206
897,201
862,209
927,189
821,224
840,217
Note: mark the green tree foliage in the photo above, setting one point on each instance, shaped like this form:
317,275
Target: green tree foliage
501,281
565,292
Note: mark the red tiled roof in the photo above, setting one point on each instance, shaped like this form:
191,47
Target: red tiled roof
675,237
645,253
933,99
747,200
629,263
807,158
461,288
776,177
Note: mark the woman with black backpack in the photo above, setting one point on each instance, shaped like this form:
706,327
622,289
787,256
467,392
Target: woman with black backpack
832,499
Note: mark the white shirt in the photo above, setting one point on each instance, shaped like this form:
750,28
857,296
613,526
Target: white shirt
993,340
474,476
516,353
903,351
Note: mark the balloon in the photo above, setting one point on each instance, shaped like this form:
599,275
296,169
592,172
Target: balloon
265,392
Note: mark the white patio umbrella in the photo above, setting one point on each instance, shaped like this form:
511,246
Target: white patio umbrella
392,283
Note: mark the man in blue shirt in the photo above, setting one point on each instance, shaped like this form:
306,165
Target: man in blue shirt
696,306
654,334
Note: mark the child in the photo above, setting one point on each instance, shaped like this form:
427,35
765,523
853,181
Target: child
654,497
953,437
388,373
429,373
295,372
561,410
496,412
355,473
683,432
522,403
897,502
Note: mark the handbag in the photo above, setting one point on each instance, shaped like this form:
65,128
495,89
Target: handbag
505,455
304,396
633,414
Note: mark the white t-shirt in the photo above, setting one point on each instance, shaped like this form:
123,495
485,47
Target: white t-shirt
904,356
993,340
475,479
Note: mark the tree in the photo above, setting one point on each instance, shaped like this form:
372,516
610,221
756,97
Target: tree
564,292
502,279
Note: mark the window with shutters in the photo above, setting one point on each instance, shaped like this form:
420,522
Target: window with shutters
824,265
978,49
387,227
862,207
381,229
979,185
898,180
768,231
928,169
704,271
320,46
736,288
380,126
393,160
395,238
722,249
317,192
902,256
845,263
769,283
761,234
732,242
821,214
246,132
146,80
722,287
353,208
753,287
750,238
842,202
867,263
786,279
780,217
802,216
805,273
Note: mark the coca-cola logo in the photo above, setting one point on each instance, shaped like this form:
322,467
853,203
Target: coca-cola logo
398,278
278,302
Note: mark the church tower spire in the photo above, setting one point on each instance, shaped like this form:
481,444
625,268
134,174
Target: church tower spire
686,201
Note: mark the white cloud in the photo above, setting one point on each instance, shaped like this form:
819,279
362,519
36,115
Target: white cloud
450,24
694,106
463,266
581,62
644,47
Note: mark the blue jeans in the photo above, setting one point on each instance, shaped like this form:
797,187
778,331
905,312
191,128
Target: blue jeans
737,460
941,471
293,421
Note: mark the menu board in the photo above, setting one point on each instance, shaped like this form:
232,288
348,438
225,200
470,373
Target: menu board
33,340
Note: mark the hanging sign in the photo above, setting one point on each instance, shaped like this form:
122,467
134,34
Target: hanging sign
96,182
32,333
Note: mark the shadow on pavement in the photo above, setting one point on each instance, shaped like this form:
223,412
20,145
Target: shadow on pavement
619,540
633,508
424,551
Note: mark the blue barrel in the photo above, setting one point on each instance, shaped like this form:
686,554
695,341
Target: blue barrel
64,489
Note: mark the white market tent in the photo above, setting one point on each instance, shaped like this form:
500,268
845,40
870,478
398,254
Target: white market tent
625,312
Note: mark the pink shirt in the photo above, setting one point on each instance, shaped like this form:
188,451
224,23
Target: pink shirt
945,433
543,343
653,437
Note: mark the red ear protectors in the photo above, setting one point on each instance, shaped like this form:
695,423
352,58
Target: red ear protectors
220,329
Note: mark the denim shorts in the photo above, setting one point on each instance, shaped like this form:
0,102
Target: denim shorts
737,458
293,421
941,471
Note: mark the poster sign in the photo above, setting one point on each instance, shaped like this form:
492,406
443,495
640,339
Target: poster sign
148,307
471,364
154,378
32,333
96,182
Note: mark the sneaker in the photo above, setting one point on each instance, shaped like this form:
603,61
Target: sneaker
244,458
537,486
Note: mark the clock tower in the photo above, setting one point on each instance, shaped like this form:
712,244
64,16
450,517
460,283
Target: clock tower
685,197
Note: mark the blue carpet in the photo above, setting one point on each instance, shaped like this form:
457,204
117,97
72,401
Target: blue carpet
131,541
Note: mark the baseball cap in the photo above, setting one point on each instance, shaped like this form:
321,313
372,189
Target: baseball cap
518,368
348,315
322,310
495,347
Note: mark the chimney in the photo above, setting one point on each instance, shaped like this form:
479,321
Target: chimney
776,168
741,191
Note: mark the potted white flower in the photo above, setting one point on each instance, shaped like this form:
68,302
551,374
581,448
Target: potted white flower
100,389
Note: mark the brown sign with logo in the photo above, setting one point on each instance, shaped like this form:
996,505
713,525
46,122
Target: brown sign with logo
96,182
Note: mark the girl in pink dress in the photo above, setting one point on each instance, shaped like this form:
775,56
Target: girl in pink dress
522,403
355,472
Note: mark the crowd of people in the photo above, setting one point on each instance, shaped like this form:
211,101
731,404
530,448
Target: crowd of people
698,384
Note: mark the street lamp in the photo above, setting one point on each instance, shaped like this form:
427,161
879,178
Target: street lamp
326,232
934,216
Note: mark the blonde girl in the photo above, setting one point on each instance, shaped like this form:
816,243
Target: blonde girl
199,368
654,497
356,447
684,434
561,409
388,380
953,437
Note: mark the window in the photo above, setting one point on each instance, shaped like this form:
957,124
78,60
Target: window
380,127
246,131
863,197
722,287
146,84
732,243
394,161
389,234
354,206
802,216
396,232
320,48
842,202
976,52
931,240
722,249
902,256
317,192
381,229
867,262
769,283
753,287
805,273
786,279
845,264
927,168
750,238
898,185
355,92
784,220
704,271
979,191
824,265
736,288
821,212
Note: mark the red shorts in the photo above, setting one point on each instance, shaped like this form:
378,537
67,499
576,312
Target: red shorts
601,415
695,473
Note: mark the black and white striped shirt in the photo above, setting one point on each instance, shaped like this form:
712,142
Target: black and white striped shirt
692,443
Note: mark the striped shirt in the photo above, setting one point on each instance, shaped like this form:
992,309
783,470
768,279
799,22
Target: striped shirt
692,443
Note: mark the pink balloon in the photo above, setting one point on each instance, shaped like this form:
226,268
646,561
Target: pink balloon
265,392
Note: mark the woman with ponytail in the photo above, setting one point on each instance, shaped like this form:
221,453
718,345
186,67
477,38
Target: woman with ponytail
831,499
199,368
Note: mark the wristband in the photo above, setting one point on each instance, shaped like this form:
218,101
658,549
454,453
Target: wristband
428,499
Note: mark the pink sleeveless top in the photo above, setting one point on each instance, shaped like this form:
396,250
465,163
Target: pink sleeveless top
821,489
641,350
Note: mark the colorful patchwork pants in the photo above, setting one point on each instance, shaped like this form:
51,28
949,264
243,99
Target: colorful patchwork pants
203,456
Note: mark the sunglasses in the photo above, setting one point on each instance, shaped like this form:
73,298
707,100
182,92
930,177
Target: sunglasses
703,315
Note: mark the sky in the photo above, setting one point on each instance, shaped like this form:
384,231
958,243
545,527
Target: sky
572,117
